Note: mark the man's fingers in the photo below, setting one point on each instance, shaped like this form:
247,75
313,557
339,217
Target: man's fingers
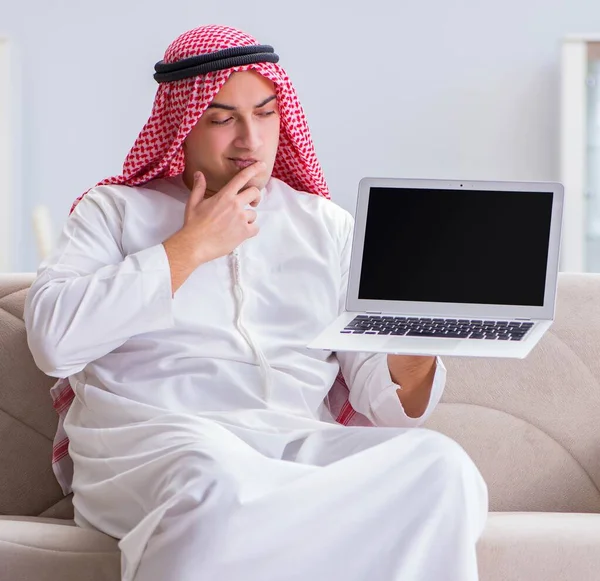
242,178
253,230
250,216
197,193
249,196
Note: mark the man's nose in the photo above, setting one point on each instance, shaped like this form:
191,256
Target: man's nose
249,137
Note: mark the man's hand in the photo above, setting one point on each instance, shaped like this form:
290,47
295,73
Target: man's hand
215,226
414,375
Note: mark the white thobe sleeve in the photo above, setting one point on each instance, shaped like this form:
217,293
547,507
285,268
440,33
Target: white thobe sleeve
88,297
372,390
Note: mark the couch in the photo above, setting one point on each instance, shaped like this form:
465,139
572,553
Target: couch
532,426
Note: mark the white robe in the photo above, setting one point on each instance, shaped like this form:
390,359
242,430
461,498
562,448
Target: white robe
199,432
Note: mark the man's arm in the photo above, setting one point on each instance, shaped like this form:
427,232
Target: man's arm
415,375
378,396
88,298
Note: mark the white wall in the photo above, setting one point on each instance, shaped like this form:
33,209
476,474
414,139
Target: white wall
6,189
436,88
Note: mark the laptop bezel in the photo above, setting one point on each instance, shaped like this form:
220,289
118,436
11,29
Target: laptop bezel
547,311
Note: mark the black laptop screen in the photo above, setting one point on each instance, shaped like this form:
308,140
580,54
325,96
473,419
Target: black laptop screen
456,246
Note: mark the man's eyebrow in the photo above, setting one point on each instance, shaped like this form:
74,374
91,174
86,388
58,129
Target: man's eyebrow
215,105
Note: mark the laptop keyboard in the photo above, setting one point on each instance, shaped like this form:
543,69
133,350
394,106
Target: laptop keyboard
428,327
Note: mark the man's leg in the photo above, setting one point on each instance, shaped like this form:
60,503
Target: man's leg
193,502
168,487
386,505
456,512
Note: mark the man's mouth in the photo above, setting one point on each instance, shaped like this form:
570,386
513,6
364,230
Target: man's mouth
241,162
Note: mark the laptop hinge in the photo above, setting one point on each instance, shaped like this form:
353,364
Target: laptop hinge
393,314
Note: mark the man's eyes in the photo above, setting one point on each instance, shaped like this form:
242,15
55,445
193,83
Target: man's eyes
215,122
226,121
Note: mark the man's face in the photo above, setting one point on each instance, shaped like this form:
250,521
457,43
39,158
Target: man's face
241,125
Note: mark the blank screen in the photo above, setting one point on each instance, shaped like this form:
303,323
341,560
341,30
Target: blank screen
456,246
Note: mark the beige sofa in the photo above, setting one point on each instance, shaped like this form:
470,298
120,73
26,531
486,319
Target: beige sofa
532,426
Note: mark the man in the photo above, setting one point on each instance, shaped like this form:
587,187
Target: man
178,304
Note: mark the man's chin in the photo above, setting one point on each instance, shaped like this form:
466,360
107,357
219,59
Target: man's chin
259,181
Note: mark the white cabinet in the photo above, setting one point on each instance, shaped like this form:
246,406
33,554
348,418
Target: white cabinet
580,152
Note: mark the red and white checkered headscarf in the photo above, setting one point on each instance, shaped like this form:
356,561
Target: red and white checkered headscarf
158,153
178,106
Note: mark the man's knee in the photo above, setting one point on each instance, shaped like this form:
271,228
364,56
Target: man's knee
442,456
195,479
457,474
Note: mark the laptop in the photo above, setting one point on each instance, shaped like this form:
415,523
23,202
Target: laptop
448,267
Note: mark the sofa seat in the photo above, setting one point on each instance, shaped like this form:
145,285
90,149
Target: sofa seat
44,549
516,546
536,546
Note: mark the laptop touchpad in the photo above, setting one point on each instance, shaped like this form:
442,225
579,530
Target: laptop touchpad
429,345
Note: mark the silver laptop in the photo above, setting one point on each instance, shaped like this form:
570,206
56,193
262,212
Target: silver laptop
444,267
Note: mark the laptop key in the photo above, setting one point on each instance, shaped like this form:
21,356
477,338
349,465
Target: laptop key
437,334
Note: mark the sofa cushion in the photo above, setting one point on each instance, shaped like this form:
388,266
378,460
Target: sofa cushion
540,546
27,419
48,550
